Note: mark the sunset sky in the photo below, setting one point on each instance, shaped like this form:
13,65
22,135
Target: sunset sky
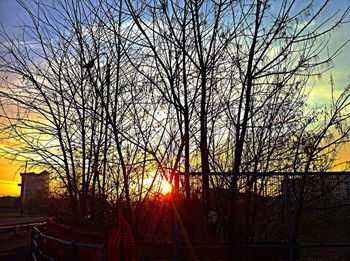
11,13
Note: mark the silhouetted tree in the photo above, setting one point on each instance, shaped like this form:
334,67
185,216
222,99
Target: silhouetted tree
108,93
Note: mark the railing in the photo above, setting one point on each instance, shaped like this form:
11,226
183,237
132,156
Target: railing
291,248
38,252
19,227
250,251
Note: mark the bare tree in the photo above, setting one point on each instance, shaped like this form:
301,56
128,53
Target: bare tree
110,93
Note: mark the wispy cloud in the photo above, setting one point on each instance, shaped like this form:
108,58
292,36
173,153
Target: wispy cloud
8,182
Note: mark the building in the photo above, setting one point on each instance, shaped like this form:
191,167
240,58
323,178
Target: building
324,189
9,204
339,188
34,185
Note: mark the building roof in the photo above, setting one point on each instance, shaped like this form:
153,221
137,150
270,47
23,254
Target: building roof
45,172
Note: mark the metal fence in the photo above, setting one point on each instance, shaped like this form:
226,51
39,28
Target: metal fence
19,227
303,216
39,239
272,216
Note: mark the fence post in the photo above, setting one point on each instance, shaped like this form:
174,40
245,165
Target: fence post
288,203
40,245
175,223
32,238
103,253
72,254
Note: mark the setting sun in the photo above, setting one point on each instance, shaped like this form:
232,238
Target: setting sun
160,185
166,187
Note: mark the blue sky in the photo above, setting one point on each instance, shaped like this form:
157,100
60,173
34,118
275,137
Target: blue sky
11,12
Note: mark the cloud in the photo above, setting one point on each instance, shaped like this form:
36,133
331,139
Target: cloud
8,182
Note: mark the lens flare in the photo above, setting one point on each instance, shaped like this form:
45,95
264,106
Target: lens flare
166,187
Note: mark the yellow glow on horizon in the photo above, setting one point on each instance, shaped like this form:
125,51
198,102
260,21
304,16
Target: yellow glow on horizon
9,179
9,188
160,185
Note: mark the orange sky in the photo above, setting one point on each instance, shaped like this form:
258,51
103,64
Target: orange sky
9,178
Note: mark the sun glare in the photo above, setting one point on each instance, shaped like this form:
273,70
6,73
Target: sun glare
160,185
166,187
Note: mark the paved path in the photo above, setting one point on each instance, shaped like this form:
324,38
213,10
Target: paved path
9,243
18,254
20,220
16,247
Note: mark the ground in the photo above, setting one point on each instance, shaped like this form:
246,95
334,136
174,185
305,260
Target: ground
15,247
